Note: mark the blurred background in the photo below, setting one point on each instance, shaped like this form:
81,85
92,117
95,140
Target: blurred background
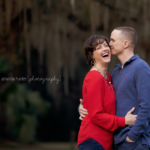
42,64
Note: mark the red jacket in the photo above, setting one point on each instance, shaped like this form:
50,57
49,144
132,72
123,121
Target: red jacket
99,100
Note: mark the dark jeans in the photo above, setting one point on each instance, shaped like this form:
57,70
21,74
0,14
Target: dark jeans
125,145
90,144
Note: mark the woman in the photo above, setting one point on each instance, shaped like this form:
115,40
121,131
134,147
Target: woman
96,130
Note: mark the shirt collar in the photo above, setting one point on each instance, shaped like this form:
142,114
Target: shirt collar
127,62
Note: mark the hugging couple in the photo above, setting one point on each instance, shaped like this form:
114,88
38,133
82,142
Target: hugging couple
115,110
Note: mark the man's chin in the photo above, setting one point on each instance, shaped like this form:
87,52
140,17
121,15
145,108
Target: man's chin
112,54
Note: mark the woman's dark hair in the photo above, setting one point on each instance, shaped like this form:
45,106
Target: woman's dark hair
90,45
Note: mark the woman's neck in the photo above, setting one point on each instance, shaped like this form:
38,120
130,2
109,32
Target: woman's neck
102,69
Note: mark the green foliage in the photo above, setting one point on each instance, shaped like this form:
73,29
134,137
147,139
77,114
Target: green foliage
21,108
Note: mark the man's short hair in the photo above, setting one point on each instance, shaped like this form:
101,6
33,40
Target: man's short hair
129,33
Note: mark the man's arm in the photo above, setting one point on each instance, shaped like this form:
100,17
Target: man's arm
143,118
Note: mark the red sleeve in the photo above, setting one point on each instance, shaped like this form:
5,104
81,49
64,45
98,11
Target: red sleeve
95,97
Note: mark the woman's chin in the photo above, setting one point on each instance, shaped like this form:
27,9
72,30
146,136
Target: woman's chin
107,61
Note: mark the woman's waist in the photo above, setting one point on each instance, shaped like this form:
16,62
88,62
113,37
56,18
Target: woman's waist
89,128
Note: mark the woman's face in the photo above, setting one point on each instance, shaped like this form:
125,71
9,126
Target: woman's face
102,53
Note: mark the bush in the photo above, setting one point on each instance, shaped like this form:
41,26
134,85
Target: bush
20,106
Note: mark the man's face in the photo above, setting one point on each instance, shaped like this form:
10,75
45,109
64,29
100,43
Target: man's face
116,43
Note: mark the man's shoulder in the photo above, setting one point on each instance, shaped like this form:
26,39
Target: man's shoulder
136,64
140,63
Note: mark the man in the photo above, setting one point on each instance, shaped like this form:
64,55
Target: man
131,80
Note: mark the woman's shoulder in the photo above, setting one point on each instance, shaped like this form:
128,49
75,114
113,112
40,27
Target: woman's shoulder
94,75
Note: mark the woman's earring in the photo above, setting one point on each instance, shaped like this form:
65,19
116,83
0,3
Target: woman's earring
92,63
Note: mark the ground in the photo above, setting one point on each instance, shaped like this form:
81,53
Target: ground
38,146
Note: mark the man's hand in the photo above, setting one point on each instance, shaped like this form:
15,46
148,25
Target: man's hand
127,139
82,111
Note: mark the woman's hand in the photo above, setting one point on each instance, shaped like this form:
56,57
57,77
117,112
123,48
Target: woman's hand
82,111
129,118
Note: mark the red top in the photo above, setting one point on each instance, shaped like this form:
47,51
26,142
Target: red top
99,100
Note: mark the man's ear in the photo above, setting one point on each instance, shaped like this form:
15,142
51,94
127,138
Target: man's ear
126,44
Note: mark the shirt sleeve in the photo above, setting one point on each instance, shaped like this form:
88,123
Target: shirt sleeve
95,98
143,90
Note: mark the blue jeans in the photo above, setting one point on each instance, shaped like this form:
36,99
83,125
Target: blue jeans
125,145
90,144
